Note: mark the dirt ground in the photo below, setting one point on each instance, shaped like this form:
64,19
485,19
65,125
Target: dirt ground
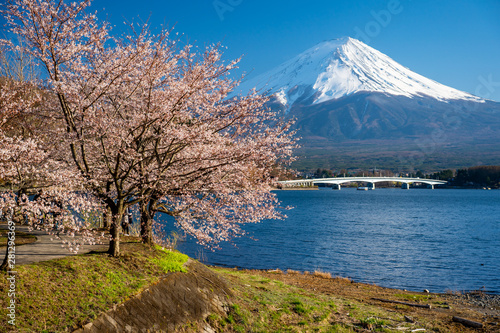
477,307
21,238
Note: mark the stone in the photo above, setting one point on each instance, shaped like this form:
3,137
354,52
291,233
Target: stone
175,300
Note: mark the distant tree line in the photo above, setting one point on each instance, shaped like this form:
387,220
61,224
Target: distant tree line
442,175
475,176
327,173
481,175
323,173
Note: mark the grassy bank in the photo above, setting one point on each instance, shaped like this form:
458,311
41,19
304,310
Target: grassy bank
315,302
57,295
60,295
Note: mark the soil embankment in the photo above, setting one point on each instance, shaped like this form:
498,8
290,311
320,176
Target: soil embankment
178,300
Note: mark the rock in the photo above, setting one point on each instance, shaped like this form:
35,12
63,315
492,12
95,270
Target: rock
409,319
426,291
467,322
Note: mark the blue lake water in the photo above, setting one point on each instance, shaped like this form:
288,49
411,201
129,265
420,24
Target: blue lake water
410,239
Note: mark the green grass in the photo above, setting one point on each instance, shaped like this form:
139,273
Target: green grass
261,304
58,295
170,261
265,305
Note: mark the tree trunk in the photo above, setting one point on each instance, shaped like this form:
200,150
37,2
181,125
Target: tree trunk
147,222
5,263
107,218
114,244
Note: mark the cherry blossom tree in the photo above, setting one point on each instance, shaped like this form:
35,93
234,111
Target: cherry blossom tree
16,99
28,169
28,165
149,122
59,198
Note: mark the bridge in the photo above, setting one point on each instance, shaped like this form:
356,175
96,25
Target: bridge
336,182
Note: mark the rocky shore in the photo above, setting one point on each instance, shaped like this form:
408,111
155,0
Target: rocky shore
490,303
434,312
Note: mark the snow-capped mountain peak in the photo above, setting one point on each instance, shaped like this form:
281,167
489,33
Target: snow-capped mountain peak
340,67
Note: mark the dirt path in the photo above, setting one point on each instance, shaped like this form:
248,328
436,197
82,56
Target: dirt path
44,248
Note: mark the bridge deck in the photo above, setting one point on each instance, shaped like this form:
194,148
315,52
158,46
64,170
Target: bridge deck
373,180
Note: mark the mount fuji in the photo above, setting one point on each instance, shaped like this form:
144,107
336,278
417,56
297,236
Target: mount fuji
344,66
354,105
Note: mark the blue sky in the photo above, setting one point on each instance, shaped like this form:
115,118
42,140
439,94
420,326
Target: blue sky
456,43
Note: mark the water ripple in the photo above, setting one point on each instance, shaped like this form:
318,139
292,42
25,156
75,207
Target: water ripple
418,239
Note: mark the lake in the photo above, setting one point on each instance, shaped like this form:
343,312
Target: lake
440,240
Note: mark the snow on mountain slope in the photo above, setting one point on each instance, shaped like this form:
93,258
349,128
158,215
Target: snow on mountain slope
344,66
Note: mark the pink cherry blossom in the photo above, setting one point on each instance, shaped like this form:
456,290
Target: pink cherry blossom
140,120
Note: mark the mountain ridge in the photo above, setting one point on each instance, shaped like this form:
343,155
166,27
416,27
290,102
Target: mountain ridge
353,103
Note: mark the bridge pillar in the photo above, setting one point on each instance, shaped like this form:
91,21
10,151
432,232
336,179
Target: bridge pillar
431,186
336,187
372,185
405,186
